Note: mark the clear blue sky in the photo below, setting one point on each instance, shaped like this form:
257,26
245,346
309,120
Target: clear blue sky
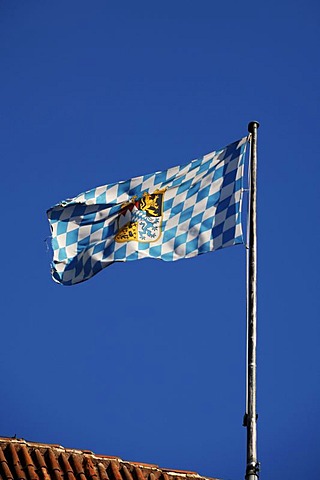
146,360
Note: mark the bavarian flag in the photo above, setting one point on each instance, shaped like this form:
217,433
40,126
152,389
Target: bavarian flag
172,214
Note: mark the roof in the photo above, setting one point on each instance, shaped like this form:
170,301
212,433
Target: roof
22,460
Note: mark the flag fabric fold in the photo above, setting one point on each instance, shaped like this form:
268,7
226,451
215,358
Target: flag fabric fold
177,213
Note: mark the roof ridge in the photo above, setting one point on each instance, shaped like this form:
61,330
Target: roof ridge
72,451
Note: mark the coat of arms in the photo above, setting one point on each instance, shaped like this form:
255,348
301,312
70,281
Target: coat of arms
141,219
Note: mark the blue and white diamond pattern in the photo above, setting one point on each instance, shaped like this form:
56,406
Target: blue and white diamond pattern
201,213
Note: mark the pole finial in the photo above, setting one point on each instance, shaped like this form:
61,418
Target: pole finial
252,125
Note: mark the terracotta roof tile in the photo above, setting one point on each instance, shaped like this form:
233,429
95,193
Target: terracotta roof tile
42,467
102,472
91,472
29,463
66,467
15,462
126,473
22,460
53,465
6,472
138,473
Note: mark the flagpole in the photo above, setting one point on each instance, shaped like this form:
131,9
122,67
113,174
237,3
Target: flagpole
250,421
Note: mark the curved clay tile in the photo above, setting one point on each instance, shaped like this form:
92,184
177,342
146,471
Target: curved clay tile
114,466
28,463
89,468
53,465
126,474
138,473
66,467
6,472
19,473
78,466
102,472
42,469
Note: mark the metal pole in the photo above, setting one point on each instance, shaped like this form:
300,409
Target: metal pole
252,469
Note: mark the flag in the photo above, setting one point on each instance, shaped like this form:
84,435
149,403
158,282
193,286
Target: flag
171,214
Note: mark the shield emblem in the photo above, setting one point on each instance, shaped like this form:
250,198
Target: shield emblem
141,220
